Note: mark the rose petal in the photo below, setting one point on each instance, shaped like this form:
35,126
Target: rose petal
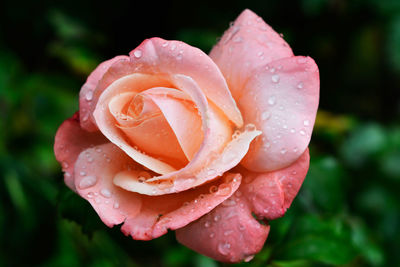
106,121
229,233
182,116
87,101
161,57
246,45
67,147
281,100
271,193
143,217
174,211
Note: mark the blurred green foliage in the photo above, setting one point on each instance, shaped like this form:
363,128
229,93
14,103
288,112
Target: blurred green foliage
347,212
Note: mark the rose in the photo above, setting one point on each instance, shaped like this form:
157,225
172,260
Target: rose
159,133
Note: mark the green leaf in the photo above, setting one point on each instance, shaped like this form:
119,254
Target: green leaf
324,240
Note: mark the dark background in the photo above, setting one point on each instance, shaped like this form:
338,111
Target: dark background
347,212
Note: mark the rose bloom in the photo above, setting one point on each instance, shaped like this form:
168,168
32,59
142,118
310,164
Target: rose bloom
212,146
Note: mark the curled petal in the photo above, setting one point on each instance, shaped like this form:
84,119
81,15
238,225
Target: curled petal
229,233
182,116
87,99
246,45
106,121
158,56
281,100
67,147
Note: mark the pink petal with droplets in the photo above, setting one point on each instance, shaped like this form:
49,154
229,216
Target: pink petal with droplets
67,147
281,100
271,193
87,100
229,233
246,45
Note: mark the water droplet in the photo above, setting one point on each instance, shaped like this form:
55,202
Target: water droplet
248,258
173,46
87,182
265,115
207,224
224,248
105,193
97,200
238,193
116,205
272,70
89,95
302,132
306,123
213,189
260,54
98,149
82,173
283,151
300,85
295,149
272,100
294,172
65,165
137,53
217,217
223,190
275,78
236,134
212,235
179,57
241,227
250,127
237,39
292,130
228,232
165,44
90,195
229,203
90,160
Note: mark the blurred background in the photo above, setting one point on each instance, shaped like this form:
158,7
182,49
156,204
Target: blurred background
347,212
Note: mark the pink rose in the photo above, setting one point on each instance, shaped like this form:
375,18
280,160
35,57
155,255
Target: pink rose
171,138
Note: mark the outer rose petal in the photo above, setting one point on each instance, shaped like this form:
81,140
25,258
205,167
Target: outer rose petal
271,193
67,147
229,233
144,217
161,57
281,100
86,103
246,45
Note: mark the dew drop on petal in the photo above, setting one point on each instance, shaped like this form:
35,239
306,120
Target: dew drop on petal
224,248
105,193
275,78
137,53
87,182
89,95
272,100
265,115
306,122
